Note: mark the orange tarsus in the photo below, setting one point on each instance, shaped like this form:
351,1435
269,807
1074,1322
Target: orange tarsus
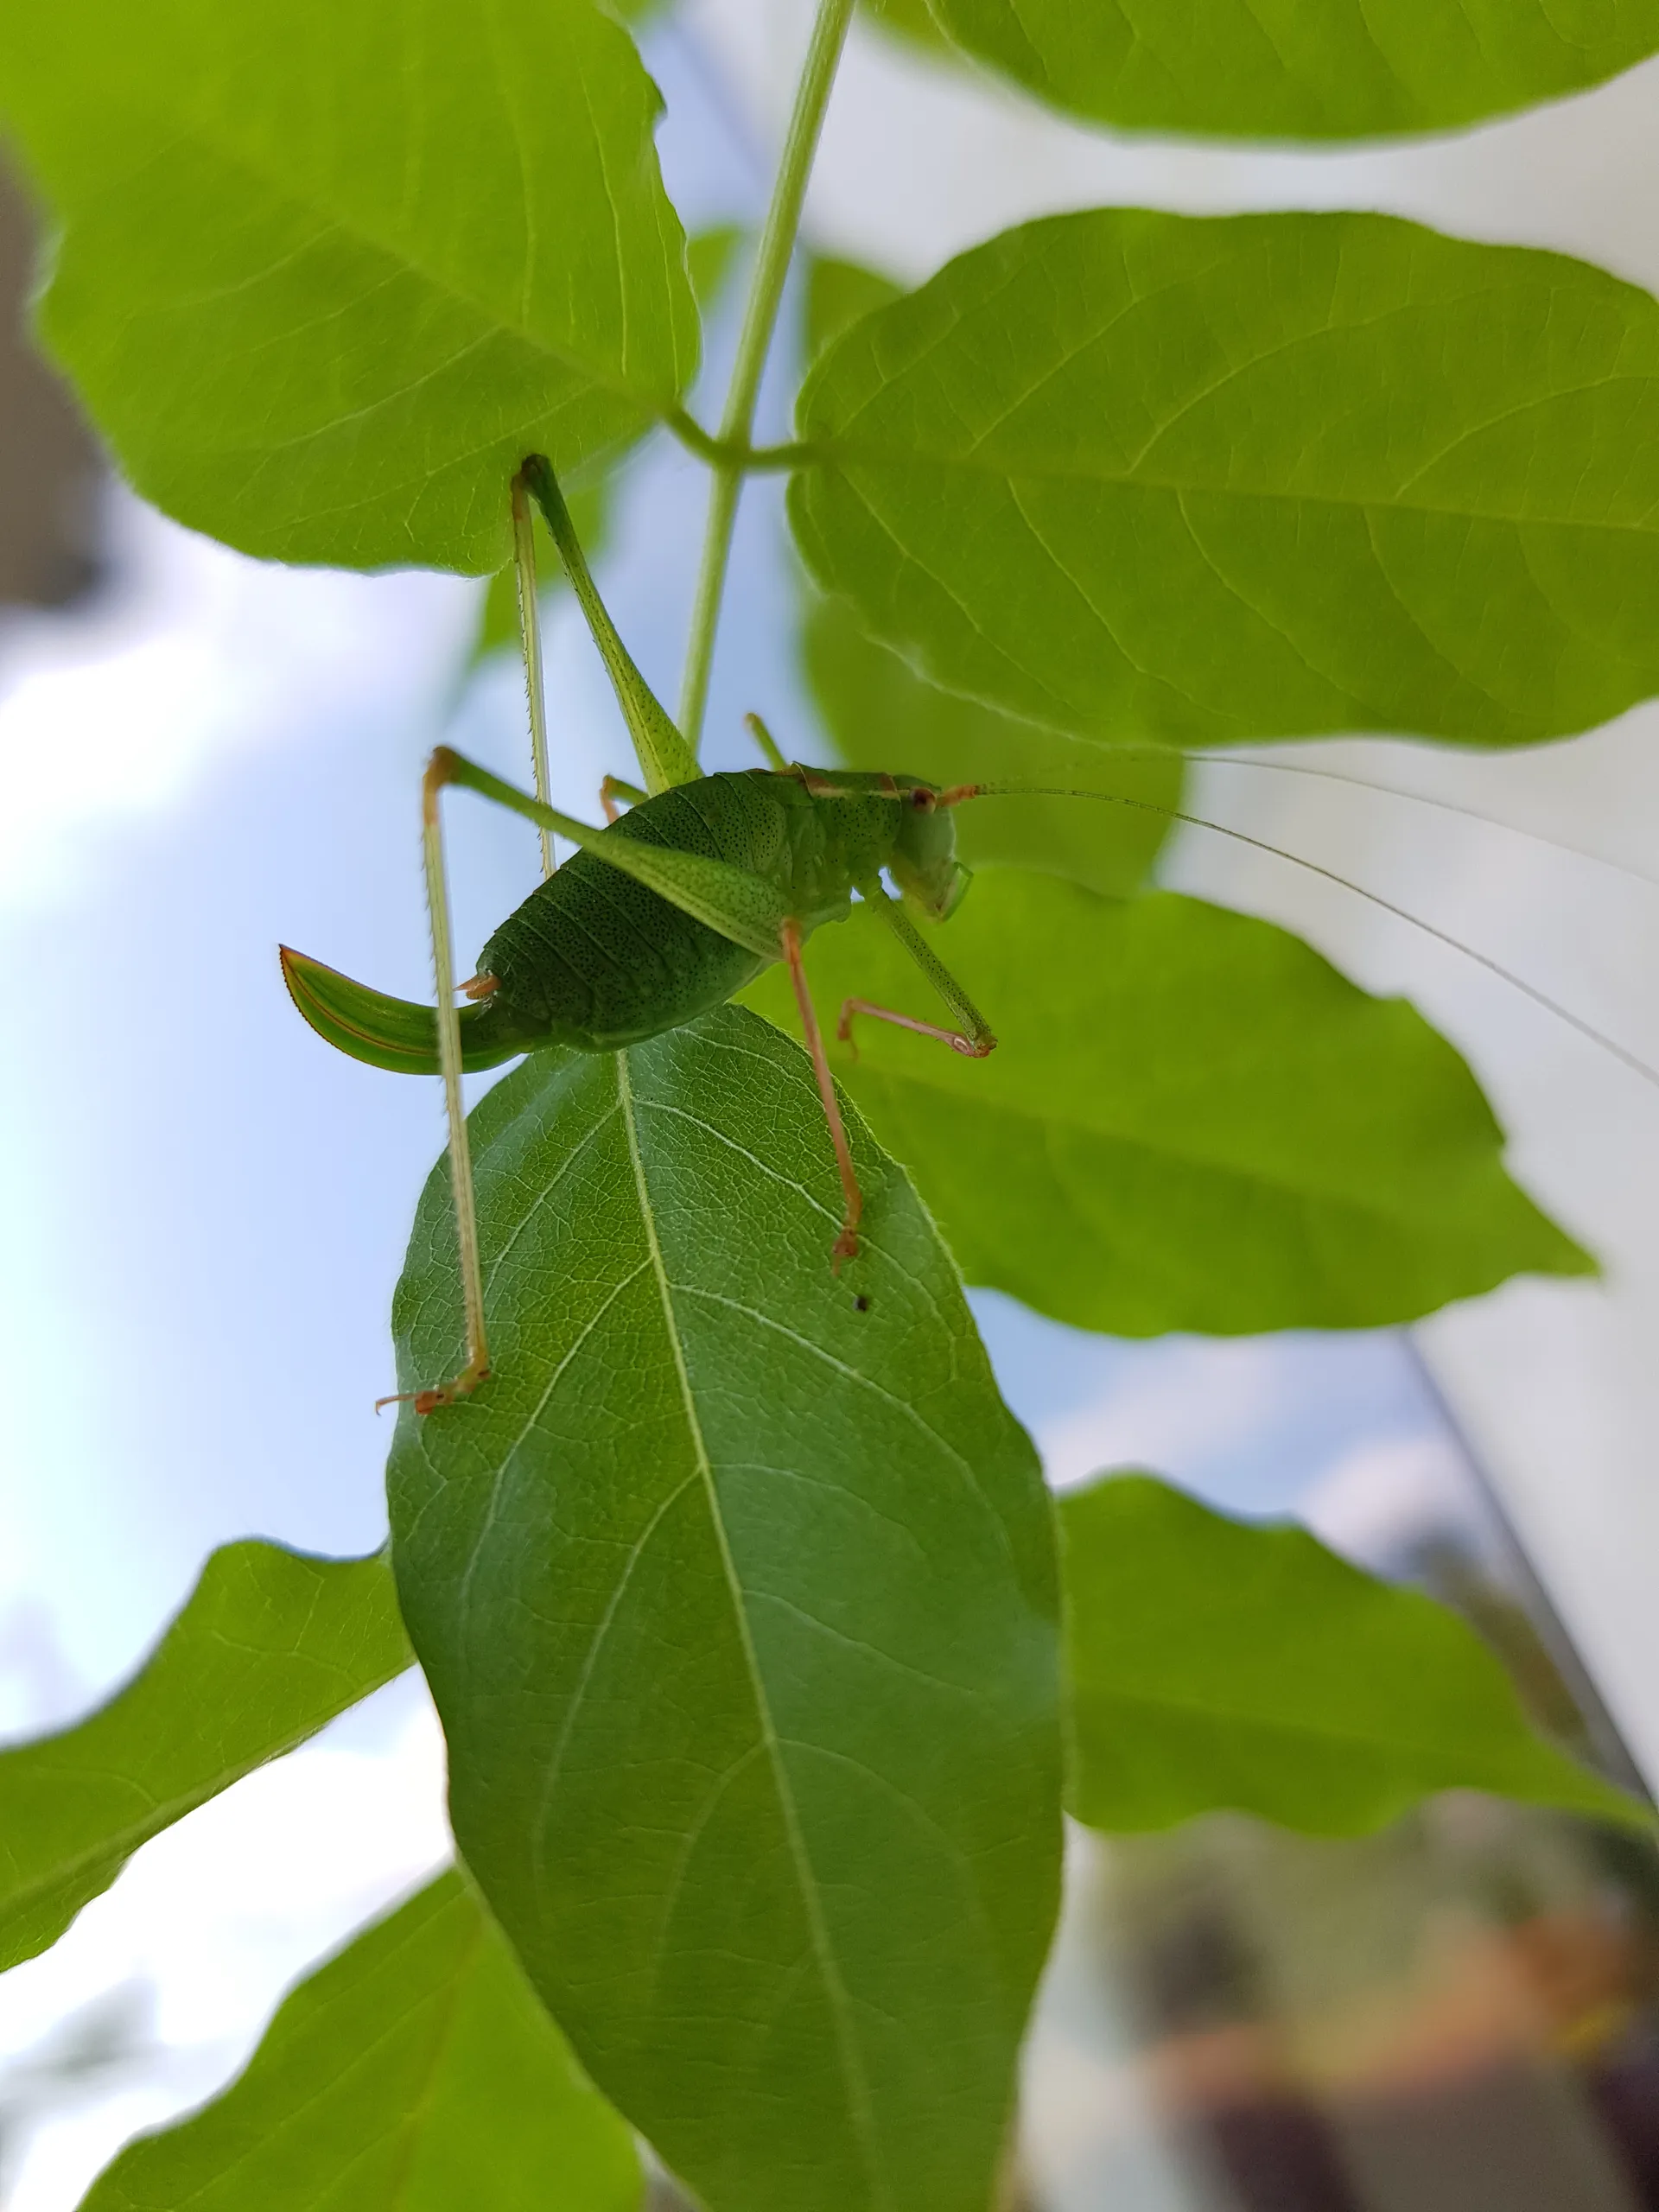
846,1245
448,1394
970,1048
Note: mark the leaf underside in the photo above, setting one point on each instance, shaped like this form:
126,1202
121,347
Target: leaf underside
415,2072
738,1604
1191,1121
1216,1664
1143,476
328,270
271,1645
882,715
1342,69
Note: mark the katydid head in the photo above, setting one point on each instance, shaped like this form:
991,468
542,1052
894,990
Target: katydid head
924,864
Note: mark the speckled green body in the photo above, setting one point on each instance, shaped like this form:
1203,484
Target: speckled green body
594,960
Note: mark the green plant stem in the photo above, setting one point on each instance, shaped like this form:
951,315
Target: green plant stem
760,319
745,459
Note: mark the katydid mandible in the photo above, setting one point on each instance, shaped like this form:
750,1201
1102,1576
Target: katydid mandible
659,917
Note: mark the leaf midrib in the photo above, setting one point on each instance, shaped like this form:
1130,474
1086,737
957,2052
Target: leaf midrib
855,2085
848,456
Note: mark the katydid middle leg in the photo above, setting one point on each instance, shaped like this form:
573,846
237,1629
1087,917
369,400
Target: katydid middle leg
973,1040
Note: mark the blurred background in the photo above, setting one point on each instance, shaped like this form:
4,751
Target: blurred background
205,1211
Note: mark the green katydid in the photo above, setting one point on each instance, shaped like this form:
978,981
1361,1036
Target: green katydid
659,917
674,907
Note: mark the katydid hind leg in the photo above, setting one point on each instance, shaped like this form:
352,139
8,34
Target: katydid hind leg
846,1245
477,1368
530,633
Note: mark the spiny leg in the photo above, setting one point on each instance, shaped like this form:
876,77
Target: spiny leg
529,633
846,1245
971,1048
612,789
974,1040
460,1159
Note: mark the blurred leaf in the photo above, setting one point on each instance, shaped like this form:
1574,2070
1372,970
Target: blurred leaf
1192,1119
837,294
329,269
269,1646
738,1604
1138,475
911,20
1217,1663
882,714
711,256
1345,68
415,2072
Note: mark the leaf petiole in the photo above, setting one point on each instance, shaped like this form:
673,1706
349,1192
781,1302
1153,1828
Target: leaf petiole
760,319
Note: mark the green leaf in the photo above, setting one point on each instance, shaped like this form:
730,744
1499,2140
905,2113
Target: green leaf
882,715
330,268
911,20
269,1645
710,256
1138,476
415,2072
738,1604
1216,1662
837,294
1342,69
1192,1119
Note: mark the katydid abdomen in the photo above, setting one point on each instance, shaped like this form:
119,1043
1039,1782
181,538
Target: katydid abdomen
596,960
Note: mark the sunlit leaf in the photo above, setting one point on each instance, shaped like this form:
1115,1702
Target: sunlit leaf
329,269
1191,1122
1284,69
735,1590
1215,1662
837,293
271,1645
882,715
711,257
1138,475
910,20
415,2072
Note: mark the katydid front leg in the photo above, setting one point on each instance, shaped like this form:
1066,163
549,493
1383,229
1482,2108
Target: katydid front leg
974,1040
612,788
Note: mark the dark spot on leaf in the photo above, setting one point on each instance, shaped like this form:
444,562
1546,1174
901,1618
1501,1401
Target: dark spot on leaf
860,1304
